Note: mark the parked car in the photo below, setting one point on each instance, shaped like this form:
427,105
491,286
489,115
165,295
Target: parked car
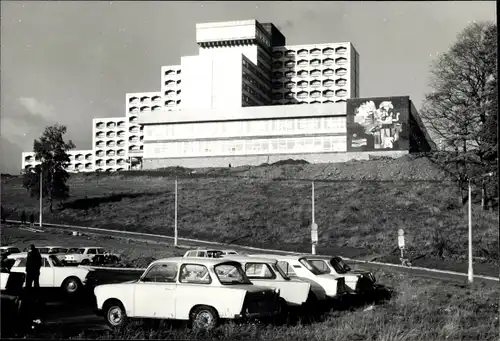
299,267
265,272
357,281
58,251
54,274
210,253
199,290
8,250
85,255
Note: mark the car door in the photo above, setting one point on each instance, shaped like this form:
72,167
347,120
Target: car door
46,274
154,293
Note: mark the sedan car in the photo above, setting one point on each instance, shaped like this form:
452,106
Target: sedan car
199,290
209,253
54,274
357,281
299,267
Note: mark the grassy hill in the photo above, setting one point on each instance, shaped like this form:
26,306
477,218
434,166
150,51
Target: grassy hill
360,205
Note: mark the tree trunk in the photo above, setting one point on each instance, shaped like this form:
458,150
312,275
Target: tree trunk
484,204
50,204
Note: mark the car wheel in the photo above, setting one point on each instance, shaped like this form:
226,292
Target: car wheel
204,318
85,262
71,285
283,315
115,315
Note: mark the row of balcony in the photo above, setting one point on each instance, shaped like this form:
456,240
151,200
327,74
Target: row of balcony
172,72
110,170
120,134
312,63
144,99
145,108
110,162
78,157
80,166
312,94
313,73
113,125
119,143
172,93
286,102
314,52
110,153
327,83
171,83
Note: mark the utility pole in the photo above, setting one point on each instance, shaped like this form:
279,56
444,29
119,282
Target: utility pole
314,227
175,219
471,272
41,196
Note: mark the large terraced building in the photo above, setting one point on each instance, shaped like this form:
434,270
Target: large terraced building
246,98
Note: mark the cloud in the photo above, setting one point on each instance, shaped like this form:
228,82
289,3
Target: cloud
38,108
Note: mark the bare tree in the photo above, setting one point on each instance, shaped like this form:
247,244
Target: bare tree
462,105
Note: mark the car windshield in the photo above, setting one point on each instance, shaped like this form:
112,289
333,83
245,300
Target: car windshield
55,261
43,250
309,266
339,265
229,273
214,254
76,250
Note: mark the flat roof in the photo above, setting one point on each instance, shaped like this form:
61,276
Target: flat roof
244,113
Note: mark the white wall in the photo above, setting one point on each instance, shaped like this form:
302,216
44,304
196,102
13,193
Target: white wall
249,51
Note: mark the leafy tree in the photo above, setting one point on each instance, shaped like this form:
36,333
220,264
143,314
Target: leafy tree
51,150
462,107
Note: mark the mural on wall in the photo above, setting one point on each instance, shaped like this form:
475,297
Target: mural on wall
376,124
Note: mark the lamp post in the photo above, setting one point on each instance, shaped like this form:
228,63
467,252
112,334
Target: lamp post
470,273
41,197
175,218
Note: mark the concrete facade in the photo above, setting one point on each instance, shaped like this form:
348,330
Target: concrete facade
254,160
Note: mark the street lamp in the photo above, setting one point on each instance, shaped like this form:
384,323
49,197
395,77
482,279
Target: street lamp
471,271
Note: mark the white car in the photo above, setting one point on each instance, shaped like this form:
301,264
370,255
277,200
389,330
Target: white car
299,267
9,250
265,272
210,253
85,255
200,290
58,251
357,281
54,274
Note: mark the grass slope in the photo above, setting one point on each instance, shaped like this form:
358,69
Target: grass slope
264,206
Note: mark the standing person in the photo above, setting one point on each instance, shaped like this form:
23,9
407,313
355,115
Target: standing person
32,220
23,217
33,265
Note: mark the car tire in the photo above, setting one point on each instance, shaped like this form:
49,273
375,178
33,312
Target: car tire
283,316
114,314
85,262
71,285
203,318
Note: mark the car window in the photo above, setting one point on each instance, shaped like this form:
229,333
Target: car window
45,263
191,254
55,261
194,273
339,265
287,268
321,265
231,274
200,254
14,250
91,251
259,270
161,272
43,250
22,263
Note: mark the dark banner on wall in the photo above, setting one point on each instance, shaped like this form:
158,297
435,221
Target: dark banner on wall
376,124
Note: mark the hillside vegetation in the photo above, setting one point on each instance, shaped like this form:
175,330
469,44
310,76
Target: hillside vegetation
267,206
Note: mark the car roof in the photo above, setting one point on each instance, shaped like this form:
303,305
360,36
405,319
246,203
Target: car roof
203,260
8,247
246,259
289,257
51,247
25,254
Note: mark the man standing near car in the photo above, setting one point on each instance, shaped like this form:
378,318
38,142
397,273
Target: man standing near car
33,265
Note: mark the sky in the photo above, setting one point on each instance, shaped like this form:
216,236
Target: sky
67,62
